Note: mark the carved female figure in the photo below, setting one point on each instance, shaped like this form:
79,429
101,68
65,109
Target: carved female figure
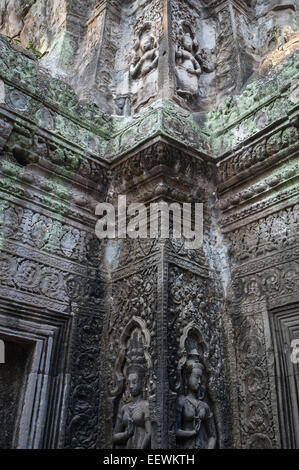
195,422
133,427
188,69
143,73
146,56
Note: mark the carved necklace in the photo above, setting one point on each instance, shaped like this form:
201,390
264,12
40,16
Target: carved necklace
197,409
133,407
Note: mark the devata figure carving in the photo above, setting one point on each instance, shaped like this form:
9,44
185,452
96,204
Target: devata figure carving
145,58
188,68
133,427
143,73
195,421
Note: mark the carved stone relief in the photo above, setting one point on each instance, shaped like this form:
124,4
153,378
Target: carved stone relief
83,403
130,342
143,68
195,420
257,417
195,355
133,426
194,41
162,346
188,69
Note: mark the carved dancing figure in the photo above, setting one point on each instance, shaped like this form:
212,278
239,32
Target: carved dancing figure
195,421
146,56
144,64
188,68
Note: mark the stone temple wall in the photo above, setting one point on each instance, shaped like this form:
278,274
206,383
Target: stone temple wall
144,343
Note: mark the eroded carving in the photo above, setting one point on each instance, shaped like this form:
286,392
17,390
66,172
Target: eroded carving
143,67
188,69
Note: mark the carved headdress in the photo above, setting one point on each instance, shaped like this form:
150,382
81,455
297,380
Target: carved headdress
135,355
186,29
193,361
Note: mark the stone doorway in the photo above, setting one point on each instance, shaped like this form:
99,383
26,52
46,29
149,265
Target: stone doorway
13,380
285,329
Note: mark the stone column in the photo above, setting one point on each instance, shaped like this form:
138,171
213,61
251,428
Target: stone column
166,82
164,316
97,54
234,65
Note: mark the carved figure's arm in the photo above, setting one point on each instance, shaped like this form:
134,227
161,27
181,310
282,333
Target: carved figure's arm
197,67
182,433
122,434
135,66
150,55
148,432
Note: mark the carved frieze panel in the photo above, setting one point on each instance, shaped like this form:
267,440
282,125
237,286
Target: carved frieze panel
266,236
277,200
270,284
160,119
261,103
47,282
49,234
164,162
129,253
24,147
277,147
25,73
273,146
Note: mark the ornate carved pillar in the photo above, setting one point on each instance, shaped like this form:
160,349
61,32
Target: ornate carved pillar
97,54
164,326
166,84
234,65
